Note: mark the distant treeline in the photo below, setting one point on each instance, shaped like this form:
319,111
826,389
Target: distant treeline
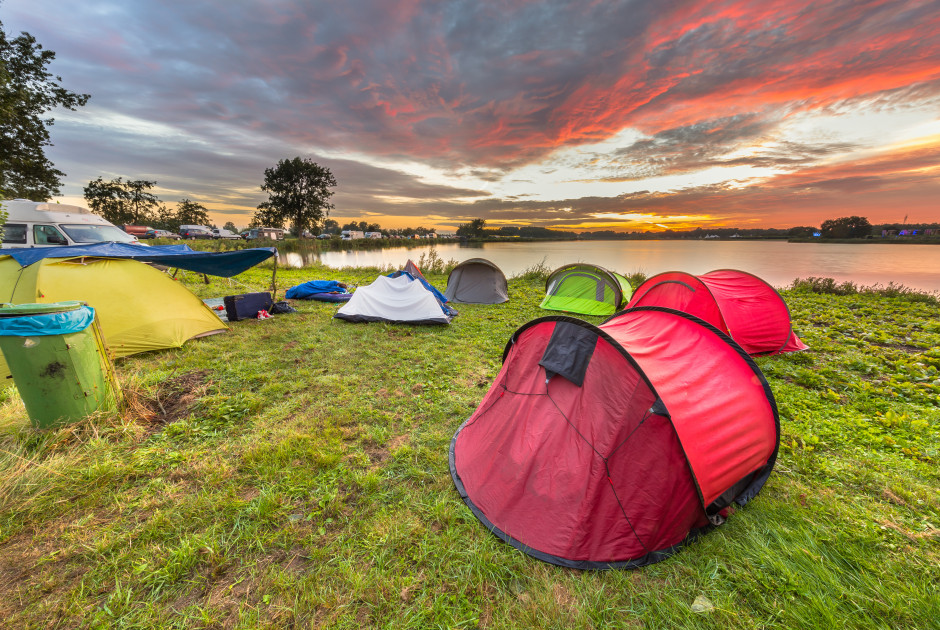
799,232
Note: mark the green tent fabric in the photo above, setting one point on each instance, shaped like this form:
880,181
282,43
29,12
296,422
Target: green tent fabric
586,289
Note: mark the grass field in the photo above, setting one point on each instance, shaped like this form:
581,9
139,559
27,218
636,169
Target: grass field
293,474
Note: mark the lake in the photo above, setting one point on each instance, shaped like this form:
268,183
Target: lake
777,262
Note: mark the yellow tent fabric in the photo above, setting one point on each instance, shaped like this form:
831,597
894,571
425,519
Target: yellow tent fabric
139,308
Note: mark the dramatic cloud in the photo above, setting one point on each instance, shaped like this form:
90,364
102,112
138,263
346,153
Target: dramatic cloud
524,111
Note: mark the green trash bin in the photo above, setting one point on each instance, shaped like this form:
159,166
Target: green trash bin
58,360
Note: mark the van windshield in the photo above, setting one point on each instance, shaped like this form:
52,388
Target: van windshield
83,233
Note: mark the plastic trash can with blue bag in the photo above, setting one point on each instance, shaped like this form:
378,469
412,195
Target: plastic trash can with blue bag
59,361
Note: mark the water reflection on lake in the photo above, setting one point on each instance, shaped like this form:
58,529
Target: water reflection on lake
777,262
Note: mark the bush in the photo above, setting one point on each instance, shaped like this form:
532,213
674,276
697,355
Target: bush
892,290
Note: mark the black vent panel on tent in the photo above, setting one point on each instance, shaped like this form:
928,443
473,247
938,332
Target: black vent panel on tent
569,352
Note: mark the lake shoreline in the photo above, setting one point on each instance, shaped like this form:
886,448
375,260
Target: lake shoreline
778,262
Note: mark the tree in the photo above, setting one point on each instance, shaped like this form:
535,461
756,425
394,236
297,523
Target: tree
330,226
3,217
122,202
230,227
474,229
266,218
164,219
142,204
298,193
190,213
802,231
846,227
28,91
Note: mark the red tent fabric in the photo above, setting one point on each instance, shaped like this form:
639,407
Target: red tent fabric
736,302
610,446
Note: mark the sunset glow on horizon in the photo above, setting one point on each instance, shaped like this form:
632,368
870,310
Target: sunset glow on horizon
624,116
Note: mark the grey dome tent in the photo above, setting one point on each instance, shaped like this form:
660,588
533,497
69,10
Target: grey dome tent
477,281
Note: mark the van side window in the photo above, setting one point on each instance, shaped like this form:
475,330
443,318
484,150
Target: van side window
48,235
14,233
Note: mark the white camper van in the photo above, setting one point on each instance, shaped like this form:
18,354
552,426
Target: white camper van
41,224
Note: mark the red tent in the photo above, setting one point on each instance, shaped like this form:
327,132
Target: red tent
602,447
736,302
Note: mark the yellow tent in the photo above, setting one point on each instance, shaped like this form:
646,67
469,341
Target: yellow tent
139,308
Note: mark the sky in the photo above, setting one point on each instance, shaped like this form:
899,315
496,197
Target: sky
572,115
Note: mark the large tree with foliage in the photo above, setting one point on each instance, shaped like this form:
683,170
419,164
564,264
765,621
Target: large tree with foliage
28,91
298,193
121,201
474,229
846,227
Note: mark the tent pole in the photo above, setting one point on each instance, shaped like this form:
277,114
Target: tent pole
274,280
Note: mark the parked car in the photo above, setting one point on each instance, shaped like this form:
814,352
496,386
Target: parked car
41,224
222,233
151,234
325,235
195,231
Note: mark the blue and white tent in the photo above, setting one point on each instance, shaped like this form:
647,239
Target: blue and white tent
401,299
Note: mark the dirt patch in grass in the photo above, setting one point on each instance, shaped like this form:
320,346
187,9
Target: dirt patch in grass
903,347
173,399
225,587
378,453
32,570
912,536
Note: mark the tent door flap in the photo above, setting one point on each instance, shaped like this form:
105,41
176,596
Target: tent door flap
569,352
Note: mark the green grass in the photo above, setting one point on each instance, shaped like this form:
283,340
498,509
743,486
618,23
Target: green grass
293,473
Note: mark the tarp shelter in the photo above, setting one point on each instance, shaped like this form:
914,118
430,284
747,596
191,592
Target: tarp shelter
610,446
477,281
224,264
736,302
586,289
139,307
400,299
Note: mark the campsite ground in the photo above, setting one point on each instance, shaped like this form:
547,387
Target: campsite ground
293,473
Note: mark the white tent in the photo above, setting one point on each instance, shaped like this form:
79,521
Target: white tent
399,300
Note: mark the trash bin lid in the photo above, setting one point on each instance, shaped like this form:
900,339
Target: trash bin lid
39,321
19,310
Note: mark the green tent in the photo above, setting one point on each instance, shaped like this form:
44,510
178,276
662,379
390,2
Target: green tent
586,289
